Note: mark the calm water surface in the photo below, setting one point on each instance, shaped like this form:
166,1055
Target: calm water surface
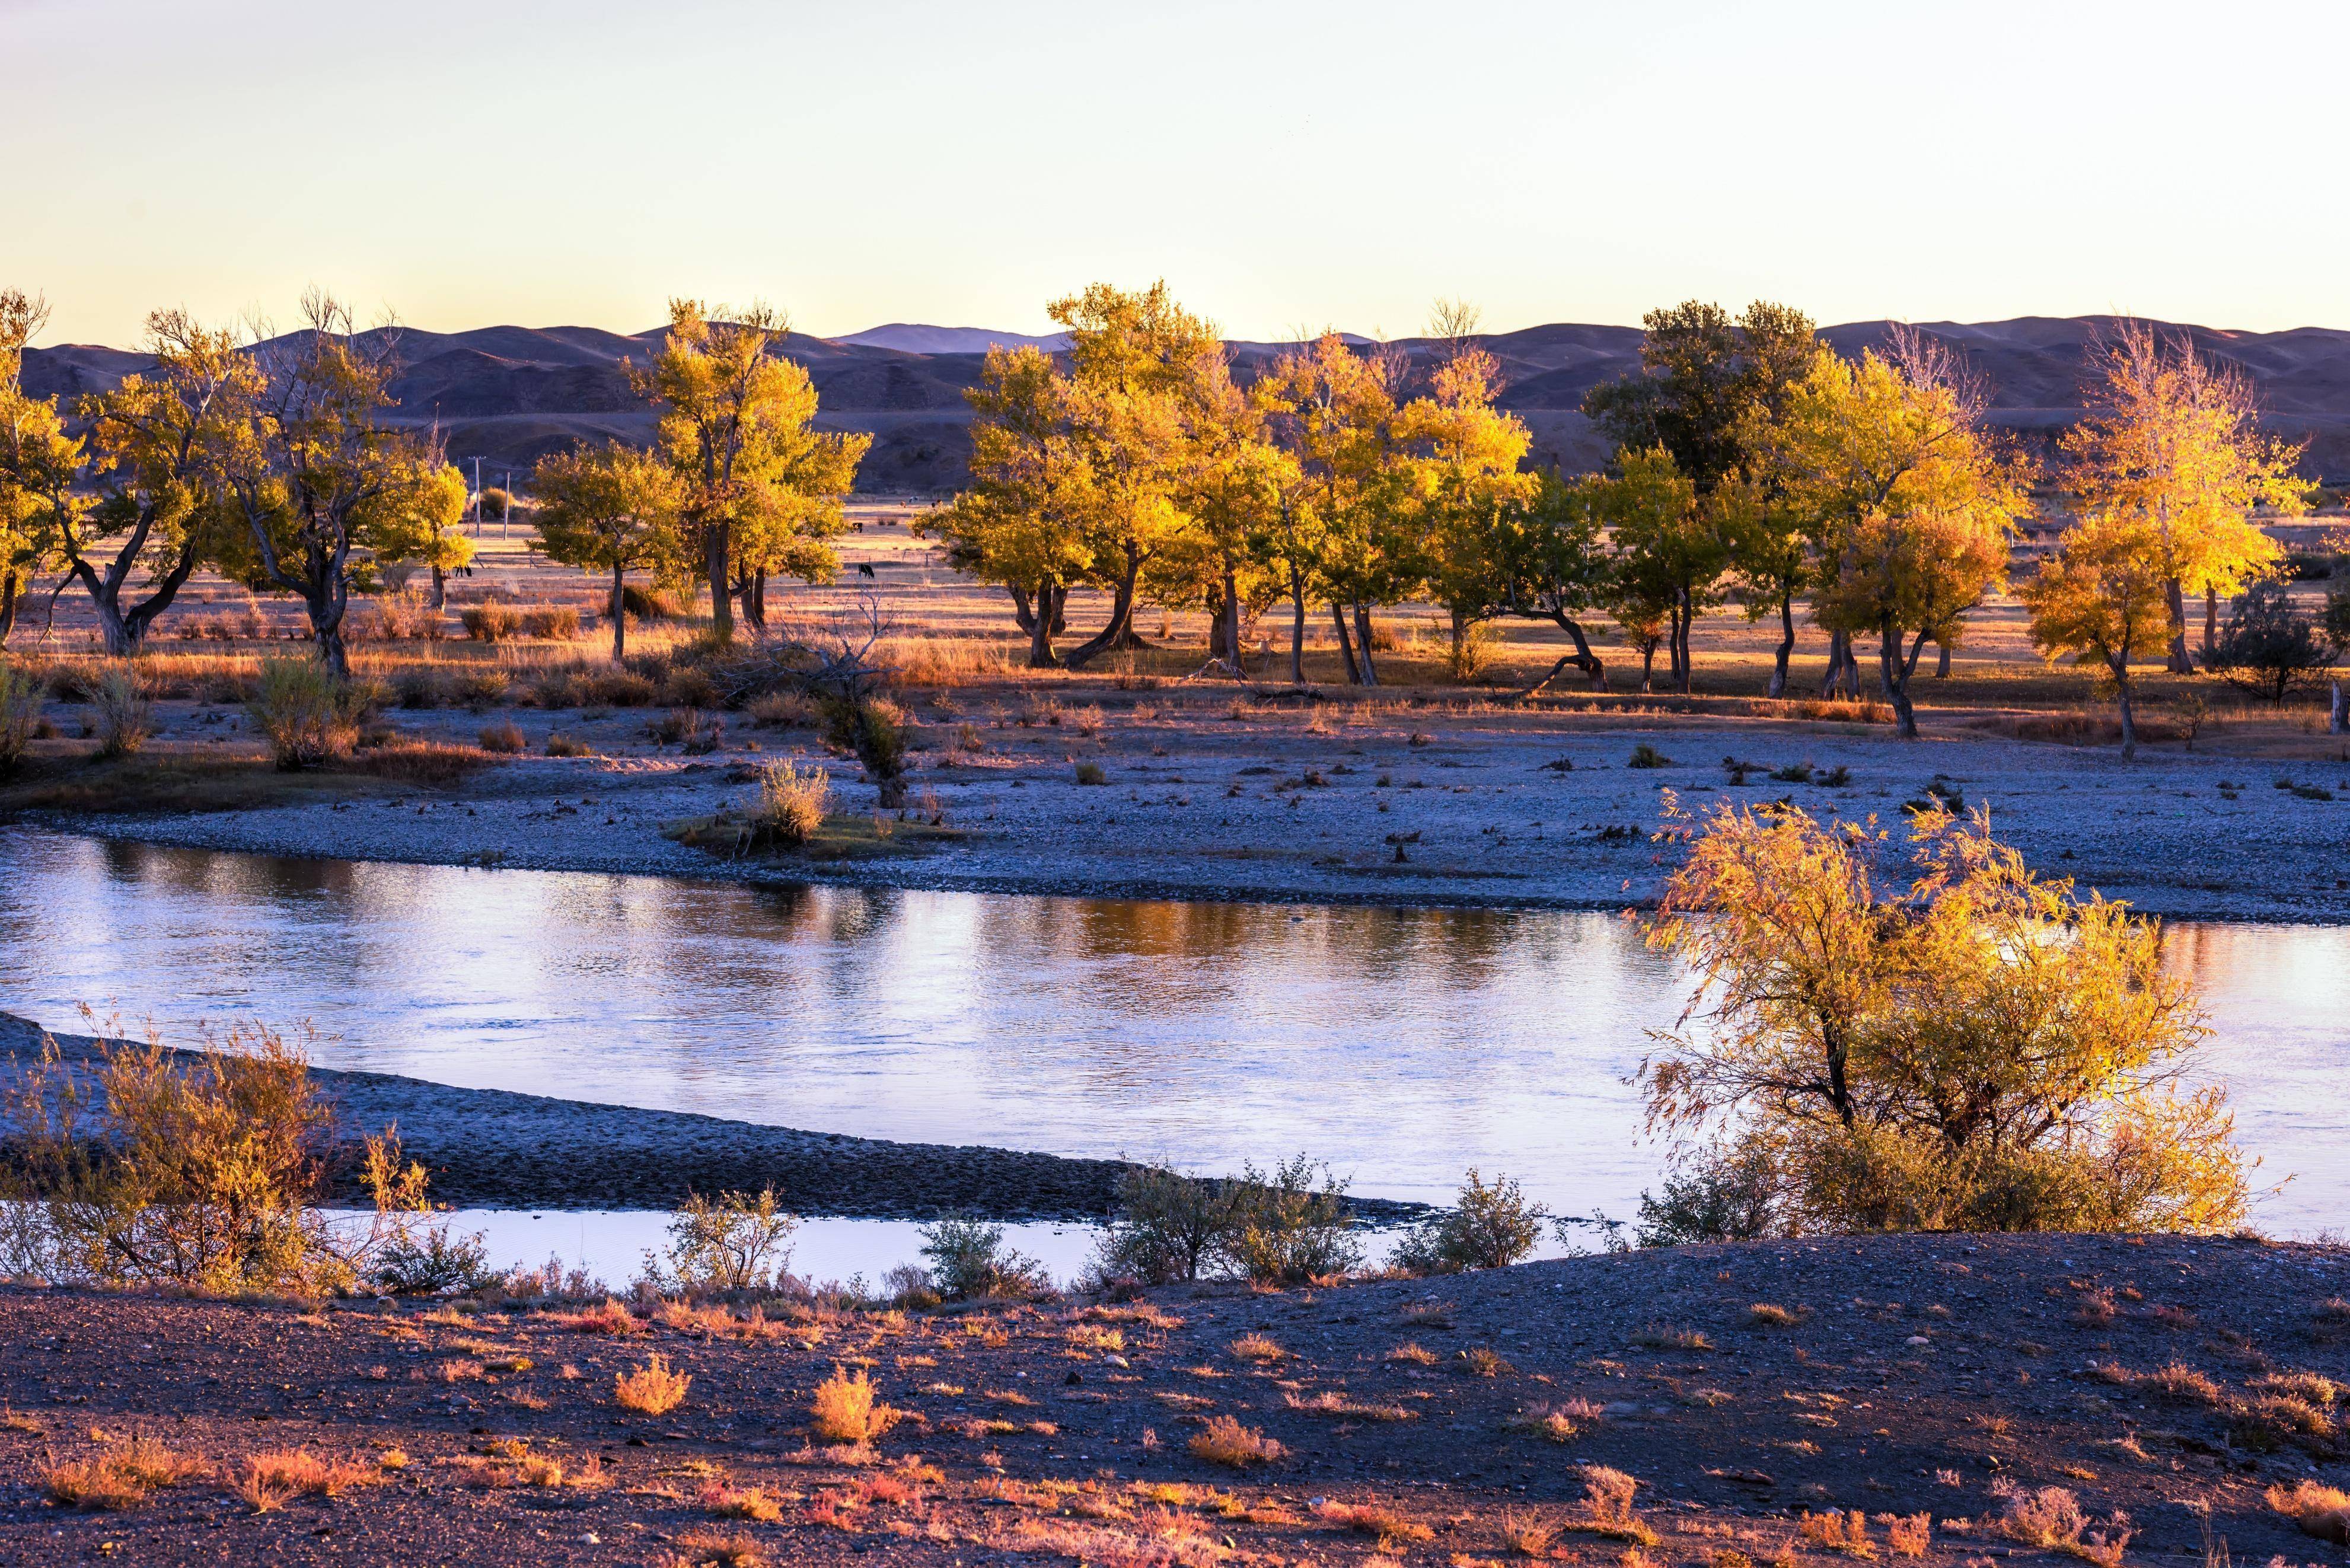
1402,1045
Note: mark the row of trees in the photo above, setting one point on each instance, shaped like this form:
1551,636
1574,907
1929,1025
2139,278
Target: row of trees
274,460
1751,464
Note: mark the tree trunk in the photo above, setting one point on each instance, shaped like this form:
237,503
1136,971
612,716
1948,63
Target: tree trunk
1021,611
1297,637
1233,623
754,599
8,606
2122,703
1648,666
2210,622
1363,637
440,600
619,614
1894,671
331,652
1837,643
2337,723
1685,617
1346,645
1121,612
714,545
1941,659
1040,629
1786,645
2181,663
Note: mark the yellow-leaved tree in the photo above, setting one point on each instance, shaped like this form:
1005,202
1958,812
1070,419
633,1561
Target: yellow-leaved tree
39,460
1908,499
759,488
1461,457
1975,1050
421,519
1079,472
613,509
2102,595
2175,450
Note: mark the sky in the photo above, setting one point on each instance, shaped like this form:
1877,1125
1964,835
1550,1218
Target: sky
1280,165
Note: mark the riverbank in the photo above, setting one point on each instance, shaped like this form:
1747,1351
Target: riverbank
1203,795
2034,1397
487,1148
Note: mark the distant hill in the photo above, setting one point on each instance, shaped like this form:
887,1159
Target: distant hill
508,395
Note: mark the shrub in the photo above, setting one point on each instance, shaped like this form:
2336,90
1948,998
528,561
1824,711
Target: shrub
735,1241
1471,651
1224,1442
969,1262
1258,1348
1170,1227
844,1410
490,621
200,1169
651,1389
1374,1519
2051,1519
647,604
792,803
1644,755
1285,1231
421,688
20,715
873,729
118,707
1487,1228
623,688
1089,774
558,622
433,1263
482,690
2268,646
505,739
562,745
298,704
1607,1506
1796,955
420,762
688,686
783,711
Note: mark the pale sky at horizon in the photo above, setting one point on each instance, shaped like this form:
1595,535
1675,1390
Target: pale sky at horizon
1280,165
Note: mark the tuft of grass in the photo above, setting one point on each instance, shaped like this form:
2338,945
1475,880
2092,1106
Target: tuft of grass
120,709
792,802
652,1389
2320,1511
1644,755
1608,1507
1256,1347
1528,1534
1768,1315
559,744
2051,1519
1224,1442
270,1478
1412,1352
1660,1337
1089,774
1373,1518
1908,1535
844,1410
505,739
1330,1402
1837,1531
492,621
727,1501
710,1549
123,1476
1481,1361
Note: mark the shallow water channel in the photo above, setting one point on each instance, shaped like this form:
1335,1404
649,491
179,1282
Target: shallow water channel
1402,1045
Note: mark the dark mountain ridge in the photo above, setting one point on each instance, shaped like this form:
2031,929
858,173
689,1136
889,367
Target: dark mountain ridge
507,395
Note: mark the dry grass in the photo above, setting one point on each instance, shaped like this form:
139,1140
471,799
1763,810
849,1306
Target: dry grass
652,1389
710,1549
1661,1336
1767,1314
1224,1442
1413,1353
1333,1402
122,1477
1556,1423
418,762
1835,1532
505,739
2051,1519
270,1480
845,1411
727,1501
1374,1519
1529,1535
1256,1347
1608,1507
2320,1511
1908,1535
607,1316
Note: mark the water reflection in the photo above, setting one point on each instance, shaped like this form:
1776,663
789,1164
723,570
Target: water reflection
1403,1045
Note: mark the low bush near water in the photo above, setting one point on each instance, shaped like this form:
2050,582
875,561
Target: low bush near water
491,621
121,712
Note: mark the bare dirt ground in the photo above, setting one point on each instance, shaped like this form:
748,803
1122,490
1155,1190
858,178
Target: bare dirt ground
2162,1385
1426,790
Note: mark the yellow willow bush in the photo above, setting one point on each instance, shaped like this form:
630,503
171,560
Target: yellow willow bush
1977,1049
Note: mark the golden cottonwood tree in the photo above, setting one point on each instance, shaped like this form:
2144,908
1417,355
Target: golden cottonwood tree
308,460
153,440
2102,595
420,518
2176,446
1977,1050
613,508
1461,457
40,462
1910,501
759,488
1078,473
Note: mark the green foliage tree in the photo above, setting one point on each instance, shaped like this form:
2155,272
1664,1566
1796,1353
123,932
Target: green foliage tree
614,509
2270,646
40,462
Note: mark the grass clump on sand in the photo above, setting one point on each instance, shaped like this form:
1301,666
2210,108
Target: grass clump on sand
1224,1442
845,1410
651,1389
303,712
121,1477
